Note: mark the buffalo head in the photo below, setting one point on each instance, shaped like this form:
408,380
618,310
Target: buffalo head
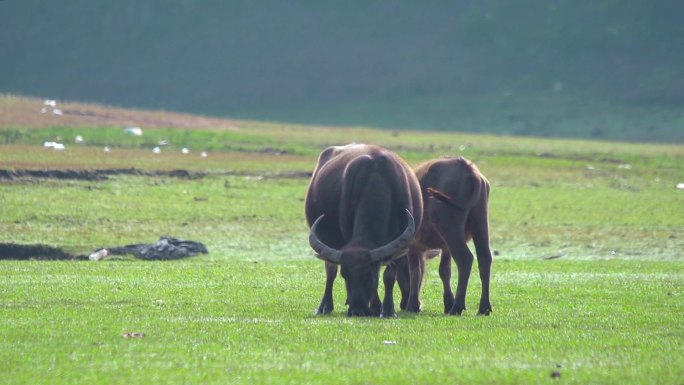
360,266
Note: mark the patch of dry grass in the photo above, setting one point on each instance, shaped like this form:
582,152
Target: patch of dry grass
21,111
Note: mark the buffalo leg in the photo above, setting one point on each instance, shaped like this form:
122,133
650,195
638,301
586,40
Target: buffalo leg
375,305
416,269
403,277
445,275
389,278
326,306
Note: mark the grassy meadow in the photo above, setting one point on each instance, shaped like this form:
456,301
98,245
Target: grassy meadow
587,284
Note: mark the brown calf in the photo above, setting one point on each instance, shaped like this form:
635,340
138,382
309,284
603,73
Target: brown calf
455,197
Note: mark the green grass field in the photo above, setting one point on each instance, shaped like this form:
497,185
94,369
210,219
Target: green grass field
607,311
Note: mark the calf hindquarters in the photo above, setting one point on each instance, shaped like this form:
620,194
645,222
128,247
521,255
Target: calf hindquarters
455,201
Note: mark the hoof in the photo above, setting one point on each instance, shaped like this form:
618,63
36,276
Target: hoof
448,304
388,312
485,307
413,307
324,310
484,312
375,307
457,310
358,312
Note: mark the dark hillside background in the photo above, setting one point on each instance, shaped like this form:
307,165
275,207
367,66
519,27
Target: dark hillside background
609,69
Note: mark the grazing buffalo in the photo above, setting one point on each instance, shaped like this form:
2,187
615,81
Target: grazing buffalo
455,197
363,206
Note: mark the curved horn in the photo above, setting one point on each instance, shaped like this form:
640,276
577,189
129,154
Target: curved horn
383,253
324,251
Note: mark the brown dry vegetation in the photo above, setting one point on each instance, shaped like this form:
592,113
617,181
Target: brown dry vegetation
20,111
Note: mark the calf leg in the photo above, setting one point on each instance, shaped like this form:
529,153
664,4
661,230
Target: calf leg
484,263
416,264
464,261
484,255
388,278
445,275
326,306
450,226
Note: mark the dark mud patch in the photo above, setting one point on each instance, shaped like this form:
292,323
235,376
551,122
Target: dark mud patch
95,175
165,249
104,174
14,251
51,174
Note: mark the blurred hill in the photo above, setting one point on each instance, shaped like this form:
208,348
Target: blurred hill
603,69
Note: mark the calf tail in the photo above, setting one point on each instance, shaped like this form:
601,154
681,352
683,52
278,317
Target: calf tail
465,202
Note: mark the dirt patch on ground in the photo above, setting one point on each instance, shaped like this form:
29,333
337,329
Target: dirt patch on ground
16,251
104,174
19,111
